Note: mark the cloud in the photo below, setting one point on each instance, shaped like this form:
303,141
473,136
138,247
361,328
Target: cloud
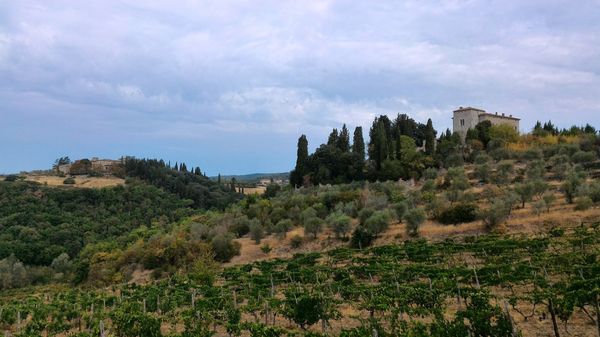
166,76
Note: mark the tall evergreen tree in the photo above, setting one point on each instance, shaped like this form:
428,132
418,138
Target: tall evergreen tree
197,171
219,178
429,138
358,152
297,176
358,143
344,140
333,139
379,147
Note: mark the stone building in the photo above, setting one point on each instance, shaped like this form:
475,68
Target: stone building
93,166
467,118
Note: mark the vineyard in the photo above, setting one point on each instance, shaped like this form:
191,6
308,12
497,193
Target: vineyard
481,286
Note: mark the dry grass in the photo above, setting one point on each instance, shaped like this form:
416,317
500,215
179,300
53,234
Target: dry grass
85,182
254,190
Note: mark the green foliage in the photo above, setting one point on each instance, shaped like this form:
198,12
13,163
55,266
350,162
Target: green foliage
496,214
503,134
361,237
583,203
573,181
257,232
266,248
400,208
37,230
458,214
271,190
203,192
282,227
131,323
414,218
313,226
69,181
339,224
378,222
296,241
224,247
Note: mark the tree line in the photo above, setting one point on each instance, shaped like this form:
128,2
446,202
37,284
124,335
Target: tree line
399,148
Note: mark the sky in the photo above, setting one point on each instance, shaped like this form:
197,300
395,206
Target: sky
230,85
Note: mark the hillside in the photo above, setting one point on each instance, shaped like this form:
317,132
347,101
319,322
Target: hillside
496,242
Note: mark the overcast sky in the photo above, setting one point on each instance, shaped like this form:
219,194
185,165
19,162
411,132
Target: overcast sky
230,85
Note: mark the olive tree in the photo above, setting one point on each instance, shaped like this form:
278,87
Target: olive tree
414,218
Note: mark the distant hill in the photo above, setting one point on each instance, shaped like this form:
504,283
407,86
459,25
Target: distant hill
253,177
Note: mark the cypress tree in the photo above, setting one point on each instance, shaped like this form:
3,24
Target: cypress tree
219,178
379,147
297,176
358,143
333,139
358,151
344,140
429,138
197,171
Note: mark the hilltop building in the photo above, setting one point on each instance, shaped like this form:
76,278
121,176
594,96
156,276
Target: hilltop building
90,166
467,118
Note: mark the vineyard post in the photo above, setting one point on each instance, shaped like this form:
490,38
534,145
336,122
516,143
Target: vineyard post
510,320
476,278
597,315
458,293
194,299
551,309
158,304
18,320
102,329
144,304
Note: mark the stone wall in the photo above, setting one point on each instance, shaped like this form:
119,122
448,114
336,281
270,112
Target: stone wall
497,119
465,119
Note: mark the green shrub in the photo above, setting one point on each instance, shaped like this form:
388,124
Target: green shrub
257,231
400,208
339,224
378,222
583,203
13,177
296,241
361,237
69,181
364,214
224,247
282,227
313,226
414,218
458,214
266,248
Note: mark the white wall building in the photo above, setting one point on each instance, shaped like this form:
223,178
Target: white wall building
467,118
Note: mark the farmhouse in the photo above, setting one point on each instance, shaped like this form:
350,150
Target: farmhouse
86,166
467,118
